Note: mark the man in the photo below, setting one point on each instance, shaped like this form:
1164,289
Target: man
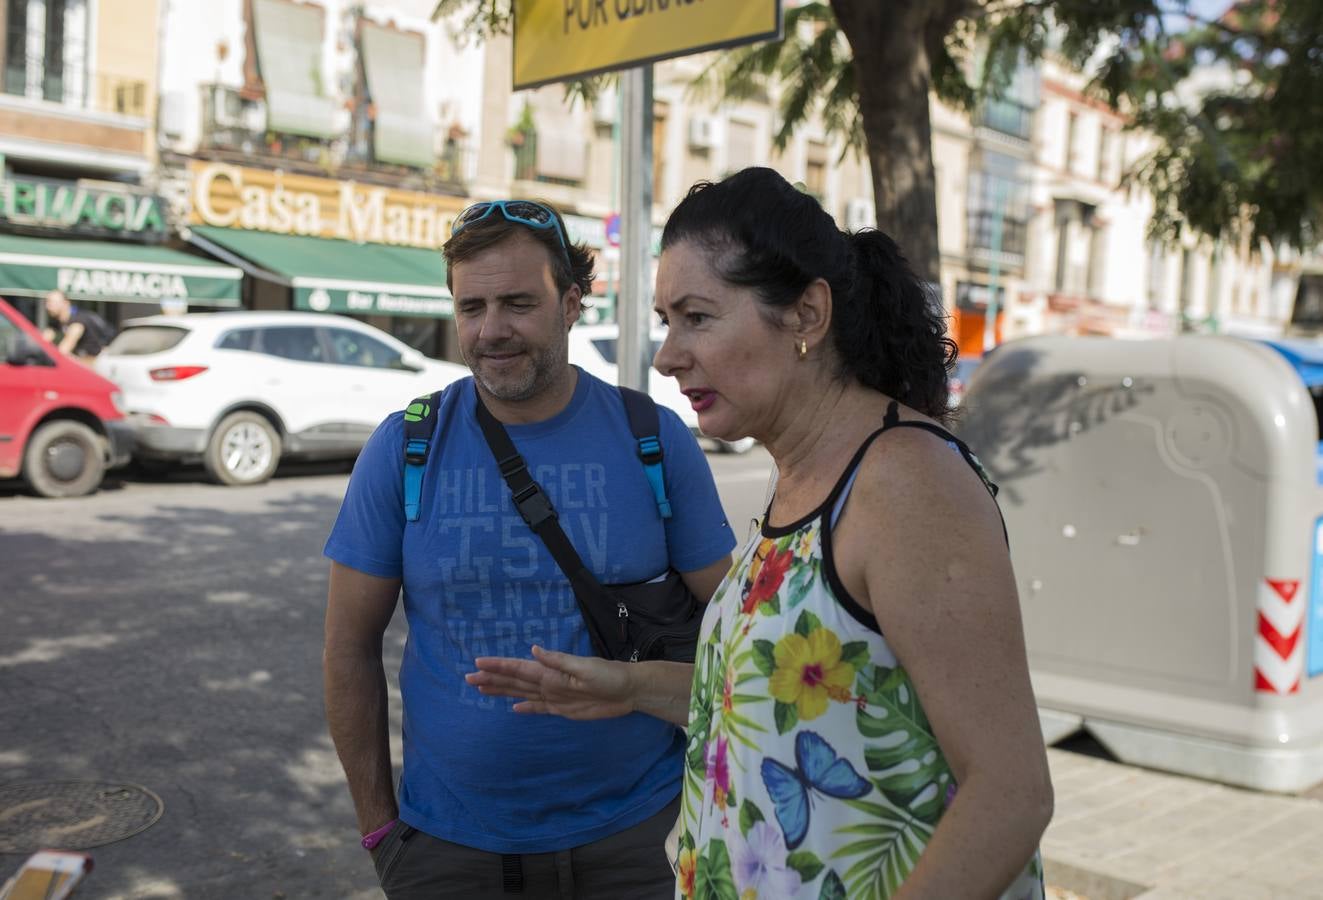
490,802
79,333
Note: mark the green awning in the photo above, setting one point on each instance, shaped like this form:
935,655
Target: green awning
341,276
107,270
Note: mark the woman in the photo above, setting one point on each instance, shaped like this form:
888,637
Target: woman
860,716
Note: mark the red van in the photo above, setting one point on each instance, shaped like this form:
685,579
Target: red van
60,428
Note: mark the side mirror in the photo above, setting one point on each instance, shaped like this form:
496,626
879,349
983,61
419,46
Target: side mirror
412,361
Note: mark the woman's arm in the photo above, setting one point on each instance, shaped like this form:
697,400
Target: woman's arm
920,543
587,687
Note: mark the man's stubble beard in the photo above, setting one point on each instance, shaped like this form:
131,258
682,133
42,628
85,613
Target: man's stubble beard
545,367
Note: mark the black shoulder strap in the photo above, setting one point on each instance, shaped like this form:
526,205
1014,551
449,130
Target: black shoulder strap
645,424
537,511
419,427
892,420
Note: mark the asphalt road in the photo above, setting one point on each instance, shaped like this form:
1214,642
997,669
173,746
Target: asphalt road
167,633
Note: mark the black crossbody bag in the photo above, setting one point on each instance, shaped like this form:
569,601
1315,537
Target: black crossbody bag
648,620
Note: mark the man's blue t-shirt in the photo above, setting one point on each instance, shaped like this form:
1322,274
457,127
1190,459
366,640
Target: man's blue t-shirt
478,582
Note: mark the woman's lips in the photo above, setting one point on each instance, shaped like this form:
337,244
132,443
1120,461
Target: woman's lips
700,399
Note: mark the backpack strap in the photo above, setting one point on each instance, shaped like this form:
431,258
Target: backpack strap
419,426
645,424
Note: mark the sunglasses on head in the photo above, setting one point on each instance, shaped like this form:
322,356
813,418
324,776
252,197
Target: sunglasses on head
523,212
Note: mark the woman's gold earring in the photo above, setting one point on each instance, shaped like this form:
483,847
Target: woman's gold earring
803,349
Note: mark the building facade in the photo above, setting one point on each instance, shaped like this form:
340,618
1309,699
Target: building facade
313,155
79,209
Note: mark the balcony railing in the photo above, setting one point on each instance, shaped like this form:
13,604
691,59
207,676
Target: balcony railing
73,87
982,231
233,127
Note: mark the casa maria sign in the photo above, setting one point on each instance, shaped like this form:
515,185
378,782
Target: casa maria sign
229,196
81,208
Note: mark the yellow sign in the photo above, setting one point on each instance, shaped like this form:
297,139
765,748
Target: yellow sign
282,203
555,40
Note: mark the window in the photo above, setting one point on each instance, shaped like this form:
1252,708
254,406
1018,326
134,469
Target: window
1013,112
1072,127
298,344
45,50
740,152
607,347
141,340
9,337
1157,272
660,111
350,348
238,339
998,206
815,170
402,132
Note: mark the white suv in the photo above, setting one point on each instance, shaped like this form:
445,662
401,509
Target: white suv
593,349
241,390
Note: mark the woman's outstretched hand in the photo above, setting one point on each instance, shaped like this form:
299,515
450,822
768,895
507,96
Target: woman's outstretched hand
558,684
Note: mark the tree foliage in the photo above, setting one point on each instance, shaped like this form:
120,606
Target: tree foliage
1235,102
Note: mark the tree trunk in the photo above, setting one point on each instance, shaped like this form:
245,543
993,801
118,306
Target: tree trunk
892,72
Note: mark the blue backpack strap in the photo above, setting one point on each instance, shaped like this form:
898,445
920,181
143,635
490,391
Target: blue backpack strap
419,425
646,426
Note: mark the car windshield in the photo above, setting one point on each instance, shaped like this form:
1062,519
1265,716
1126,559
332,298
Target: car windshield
141,340
607,347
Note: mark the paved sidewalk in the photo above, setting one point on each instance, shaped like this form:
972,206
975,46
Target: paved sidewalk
1121,832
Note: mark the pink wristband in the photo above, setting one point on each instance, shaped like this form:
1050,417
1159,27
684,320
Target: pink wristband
371,839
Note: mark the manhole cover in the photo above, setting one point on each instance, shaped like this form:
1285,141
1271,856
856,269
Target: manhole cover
73,815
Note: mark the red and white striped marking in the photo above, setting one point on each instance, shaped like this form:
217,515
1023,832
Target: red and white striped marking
1279,652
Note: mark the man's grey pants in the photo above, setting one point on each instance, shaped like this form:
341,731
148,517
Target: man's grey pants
413,865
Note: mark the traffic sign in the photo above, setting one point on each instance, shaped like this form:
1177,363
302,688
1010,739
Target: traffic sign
574,38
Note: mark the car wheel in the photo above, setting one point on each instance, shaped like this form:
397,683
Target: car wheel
743,445
244,449
64,459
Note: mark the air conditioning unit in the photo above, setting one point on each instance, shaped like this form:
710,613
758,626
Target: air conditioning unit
172,114
226,107
860,213
604,109
702,133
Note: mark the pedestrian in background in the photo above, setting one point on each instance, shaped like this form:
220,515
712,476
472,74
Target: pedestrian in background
75,332
861,721
488,805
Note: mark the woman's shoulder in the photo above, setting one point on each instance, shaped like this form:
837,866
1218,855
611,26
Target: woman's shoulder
915,460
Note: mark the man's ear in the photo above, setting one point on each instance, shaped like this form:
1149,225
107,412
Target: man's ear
809,319
573,305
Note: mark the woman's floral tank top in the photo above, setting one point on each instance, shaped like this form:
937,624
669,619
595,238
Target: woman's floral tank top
811,770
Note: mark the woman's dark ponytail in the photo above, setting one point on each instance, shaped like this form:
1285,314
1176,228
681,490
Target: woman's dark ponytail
890,332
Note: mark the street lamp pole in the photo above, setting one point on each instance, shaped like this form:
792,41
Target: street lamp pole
994,266
634,305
